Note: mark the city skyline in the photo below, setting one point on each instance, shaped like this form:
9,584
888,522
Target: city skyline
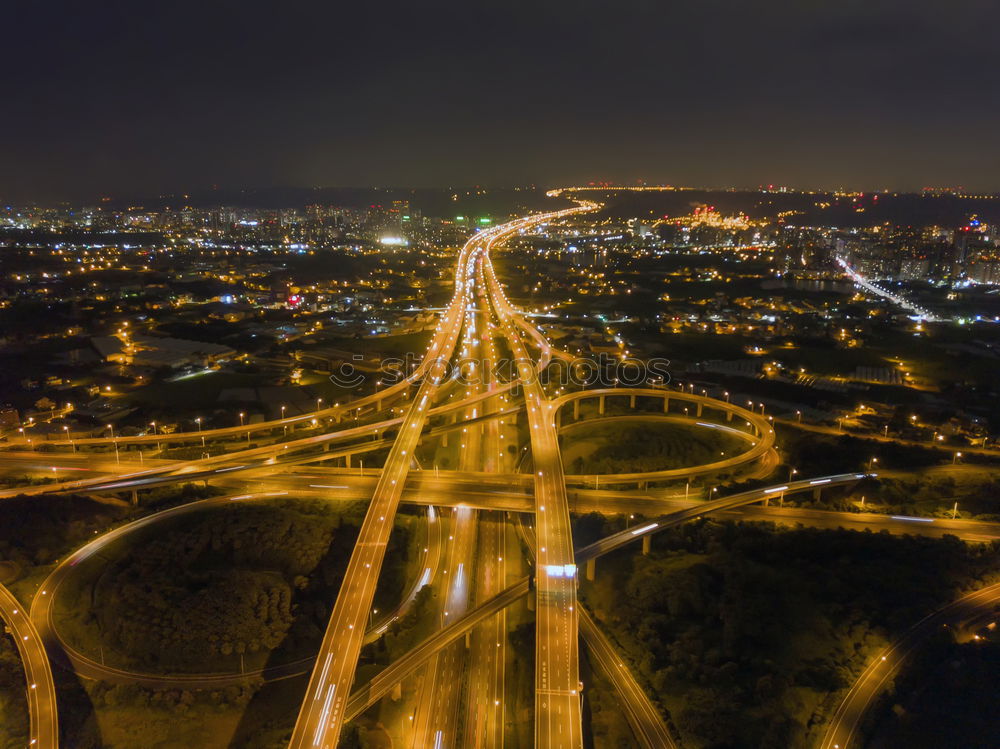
508,375
374,473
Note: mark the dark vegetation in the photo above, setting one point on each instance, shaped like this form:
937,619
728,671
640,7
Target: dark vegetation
625,448
37,530
198,592
13,705
977,498
742,632
815,454
945,697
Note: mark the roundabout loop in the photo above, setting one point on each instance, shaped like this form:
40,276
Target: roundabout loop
42,613
762,434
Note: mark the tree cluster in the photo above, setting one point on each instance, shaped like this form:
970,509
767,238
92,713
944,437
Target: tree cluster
219,583
749,627
634,448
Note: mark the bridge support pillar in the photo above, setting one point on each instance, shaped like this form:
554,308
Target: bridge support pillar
647,544
643,485
347,459
326,447
600,405
591,569
378,405
666,404
397,691
817,493
729,415
444,439
631,401
468,640
576,410
134,499
698,412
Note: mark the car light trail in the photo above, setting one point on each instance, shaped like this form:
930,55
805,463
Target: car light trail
645,529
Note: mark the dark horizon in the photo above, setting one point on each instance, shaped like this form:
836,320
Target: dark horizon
111,100
201,194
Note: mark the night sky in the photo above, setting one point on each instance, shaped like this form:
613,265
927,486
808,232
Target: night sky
141,98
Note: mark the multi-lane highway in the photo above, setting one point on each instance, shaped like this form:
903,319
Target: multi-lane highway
41,612
40,686
321,719
558,717
463,691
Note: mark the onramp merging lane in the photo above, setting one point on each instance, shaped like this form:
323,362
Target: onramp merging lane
840,733
41,689
321,718
558,715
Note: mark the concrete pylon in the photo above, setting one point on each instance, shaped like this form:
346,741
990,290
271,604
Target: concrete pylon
647,543
666,404
576,410
631,401
600,405
590,570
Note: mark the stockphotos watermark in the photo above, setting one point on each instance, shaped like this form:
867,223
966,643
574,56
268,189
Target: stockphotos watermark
603,370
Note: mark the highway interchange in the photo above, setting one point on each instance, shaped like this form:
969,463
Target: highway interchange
478,498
